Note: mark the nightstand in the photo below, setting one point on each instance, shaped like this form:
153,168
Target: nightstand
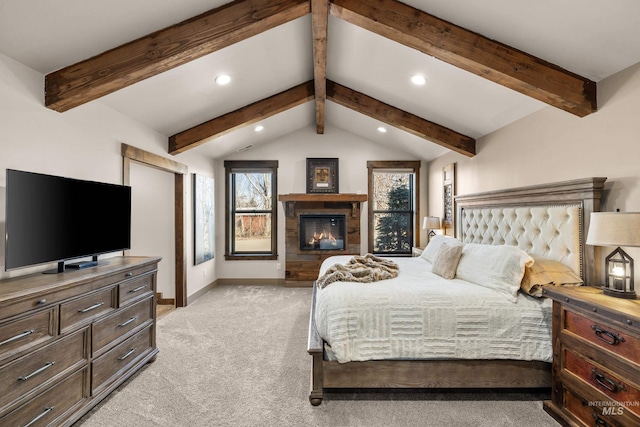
596,358
416,252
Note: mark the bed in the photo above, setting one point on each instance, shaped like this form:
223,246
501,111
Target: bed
542,222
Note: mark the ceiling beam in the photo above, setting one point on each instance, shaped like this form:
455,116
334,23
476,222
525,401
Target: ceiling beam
244,116
166,49
401,119
472,52
319,23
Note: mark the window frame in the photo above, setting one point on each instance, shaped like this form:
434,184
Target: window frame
234,166
409,165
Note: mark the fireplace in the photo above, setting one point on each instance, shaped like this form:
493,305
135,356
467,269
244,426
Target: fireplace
302,265
321,232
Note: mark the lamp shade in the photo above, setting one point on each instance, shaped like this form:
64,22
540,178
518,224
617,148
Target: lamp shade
614,229
431,223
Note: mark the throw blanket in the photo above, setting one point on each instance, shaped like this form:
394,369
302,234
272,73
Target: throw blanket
363,269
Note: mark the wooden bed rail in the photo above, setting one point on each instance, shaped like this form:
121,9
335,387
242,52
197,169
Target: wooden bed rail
315,347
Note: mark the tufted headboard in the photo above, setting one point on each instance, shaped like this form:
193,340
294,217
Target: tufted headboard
549,220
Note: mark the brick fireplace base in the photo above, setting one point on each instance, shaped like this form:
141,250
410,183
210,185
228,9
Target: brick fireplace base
302,266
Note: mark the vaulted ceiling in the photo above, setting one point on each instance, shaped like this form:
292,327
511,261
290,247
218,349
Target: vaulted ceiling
323,64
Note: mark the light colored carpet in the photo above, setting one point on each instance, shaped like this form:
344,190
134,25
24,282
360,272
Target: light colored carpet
237,357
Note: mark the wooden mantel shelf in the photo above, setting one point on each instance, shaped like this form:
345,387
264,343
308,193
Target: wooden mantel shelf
289,200
322,197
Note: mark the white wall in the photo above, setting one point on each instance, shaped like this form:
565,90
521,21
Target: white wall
552,145
151,192
82,143
292,151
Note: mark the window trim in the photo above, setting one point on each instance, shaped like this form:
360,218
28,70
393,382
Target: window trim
230,167
414,165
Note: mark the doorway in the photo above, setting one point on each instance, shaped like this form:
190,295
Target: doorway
135,155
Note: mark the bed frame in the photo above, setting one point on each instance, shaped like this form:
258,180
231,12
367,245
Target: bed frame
583,194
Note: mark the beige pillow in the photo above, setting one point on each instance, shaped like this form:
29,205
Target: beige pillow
447,258
533,280
549,272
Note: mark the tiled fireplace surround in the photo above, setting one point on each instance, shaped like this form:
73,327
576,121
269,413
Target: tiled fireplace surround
302,266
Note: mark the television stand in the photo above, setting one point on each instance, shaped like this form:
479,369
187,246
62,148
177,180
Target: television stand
97,325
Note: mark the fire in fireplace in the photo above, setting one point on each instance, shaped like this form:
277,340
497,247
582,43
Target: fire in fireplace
322,232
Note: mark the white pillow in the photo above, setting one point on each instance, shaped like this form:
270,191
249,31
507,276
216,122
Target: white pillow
429,253
497,267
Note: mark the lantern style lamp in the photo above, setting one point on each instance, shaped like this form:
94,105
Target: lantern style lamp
431,223
616,229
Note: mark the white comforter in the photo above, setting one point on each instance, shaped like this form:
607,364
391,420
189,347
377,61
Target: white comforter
420,315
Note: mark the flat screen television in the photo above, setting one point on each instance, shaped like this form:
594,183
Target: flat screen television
57,219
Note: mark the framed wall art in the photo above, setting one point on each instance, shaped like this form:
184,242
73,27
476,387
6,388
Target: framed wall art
448,199
322,175
203,218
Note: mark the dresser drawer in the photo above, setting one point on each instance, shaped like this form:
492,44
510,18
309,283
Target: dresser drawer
23,333
598,413
116,325
84,310
113,364
21,377
135,288
604,381
604,336
33,303
47,408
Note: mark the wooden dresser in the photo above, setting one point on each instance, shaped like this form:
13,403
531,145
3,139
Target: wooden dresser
67,340
596,358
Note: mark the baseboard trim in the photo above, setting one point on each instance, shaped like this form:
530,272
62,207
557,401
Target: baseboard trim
164,301
251,282
191,298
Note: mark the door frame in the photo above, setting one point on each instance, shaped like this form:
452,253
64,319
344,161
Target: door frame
133,154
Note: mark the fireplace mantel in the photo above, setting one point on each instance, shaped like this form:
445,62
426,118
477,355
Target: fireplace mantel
289,200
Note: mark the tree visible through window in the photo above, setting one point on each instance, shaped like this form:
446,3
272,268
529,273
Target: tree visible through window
251,218
392,213
392,208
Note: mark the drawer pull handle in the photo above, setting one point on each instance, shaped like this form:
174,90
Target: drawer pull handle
138,289
93,307
17,337
123,324
42,301
37,371
599,421
129,353
607,336
35,420
129,274
607,382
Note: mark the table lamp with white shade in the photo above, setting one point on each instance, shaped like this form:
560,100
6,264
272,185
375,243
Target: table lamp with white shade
431,223
616,229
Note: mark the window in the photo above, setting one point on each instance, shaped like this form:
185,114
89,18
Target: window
251,216
393,197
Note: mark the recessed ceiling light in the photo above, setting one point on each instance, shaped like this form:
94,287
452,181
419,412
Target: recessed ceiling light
418,80
382,129
259,128
223,79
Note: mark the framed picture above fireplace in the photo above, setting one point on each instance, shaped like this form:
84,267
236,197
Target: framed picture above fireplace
322,175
